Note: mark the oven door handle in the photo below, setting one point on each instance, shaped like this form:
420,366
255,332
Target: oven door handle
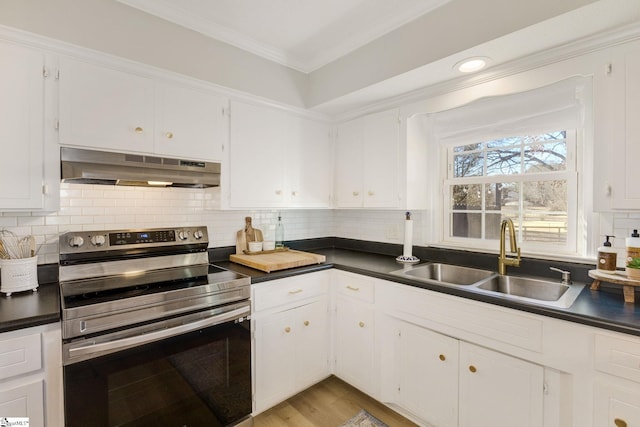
122,344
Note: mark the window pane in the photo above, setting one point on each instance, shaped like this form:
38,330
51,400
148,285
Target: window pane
470,147
547,157
504,162
504,142
466,197
498,194
545,195
466,225
544,227
492,226
468,165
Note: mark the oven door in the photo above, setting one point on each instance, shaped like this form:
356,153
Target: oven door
185,375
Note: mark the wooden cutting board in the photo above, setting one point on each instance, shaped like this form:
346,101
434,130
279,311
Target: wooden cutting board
277,260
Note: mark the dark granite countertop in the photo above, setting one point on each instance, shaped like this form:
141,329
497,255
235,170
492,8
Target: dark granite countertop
26,309
603,309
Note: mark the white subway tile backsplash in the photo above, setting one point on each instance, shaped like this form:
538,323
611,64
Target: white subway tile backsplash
96,207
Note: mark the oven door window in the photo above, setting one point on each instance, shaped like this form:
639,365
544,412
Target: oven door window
198,379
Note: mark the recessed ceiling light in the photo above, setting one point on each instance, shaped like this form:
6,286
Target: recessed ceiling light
470,65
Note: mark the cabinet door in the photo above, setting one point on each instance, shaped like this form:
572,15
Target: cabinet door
312,342
349,161
24,401
101,107
256,156
190,123
616,406
497,390
354,345
21,128
380,152
307,163
428,374
626,192
274,359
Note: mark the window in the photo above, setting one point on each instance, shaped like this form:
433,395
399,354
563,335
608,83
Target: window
514,156
528,178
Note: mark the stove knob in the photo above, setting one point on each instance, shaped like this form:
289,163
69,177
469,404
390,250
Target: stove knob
183,235
198,234
76,241
98,240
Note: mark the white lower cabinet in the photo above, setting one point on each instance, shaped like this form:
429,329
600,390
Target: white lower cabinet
354,331
497,390
447,383
31,375
354,344
616,404
427,374
291,340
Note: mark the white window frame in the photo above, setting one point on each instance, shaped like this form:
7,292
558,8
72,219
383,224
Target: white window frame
570,174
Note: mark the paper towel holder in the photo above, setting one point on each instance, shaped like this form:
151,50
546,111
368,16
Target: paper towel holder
407,256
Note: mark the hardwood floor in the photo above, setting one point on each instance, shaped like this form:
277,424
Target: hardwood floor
327,404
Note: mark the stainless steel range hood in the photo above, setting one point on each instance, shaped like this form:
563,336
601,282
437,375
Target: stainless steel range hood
99,167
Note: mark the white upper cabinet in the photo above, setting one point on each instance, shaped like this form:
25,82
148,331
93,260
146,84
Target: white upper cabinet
277,159
190,122
617,133
366,162
108,108
22,131
105,108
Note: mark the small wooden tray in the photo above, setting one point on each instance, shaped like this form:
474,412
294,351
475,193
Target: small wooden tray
617,278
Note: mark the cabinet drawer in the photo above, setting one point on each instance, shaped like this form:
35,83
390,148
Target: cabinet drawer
20,355
358,287
290,290
618,356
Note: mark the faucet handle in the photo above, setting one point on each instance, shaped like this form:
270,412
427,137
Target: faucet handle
566,275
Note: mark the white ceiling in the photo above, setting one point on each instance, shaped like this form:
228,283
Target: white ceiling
301,34
355,58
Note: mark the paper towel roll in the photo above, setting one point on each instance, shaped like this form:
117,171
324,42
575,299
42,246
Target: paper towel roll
408,238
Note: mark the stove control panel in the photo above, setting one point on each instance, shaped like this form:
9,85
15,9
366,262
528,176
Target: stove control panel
78,242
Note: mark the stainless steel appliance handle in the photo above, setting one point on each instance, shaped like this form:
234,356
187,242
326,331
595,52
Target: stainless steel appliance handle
124,343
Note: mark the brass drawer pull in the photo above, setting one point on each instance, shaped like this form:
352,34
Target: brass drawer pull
297,291
352,288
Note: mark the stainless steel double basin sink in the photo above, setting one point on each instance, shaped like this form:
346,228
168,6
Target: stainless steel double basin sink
523,289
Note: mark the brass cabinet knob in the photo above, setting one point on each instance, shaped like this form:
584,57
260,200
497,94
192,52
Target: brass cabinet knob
371,193
287,329
169,135
356,193
306,323
294,193
361,324
442,357
278,192
472,369
620,423
138,129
